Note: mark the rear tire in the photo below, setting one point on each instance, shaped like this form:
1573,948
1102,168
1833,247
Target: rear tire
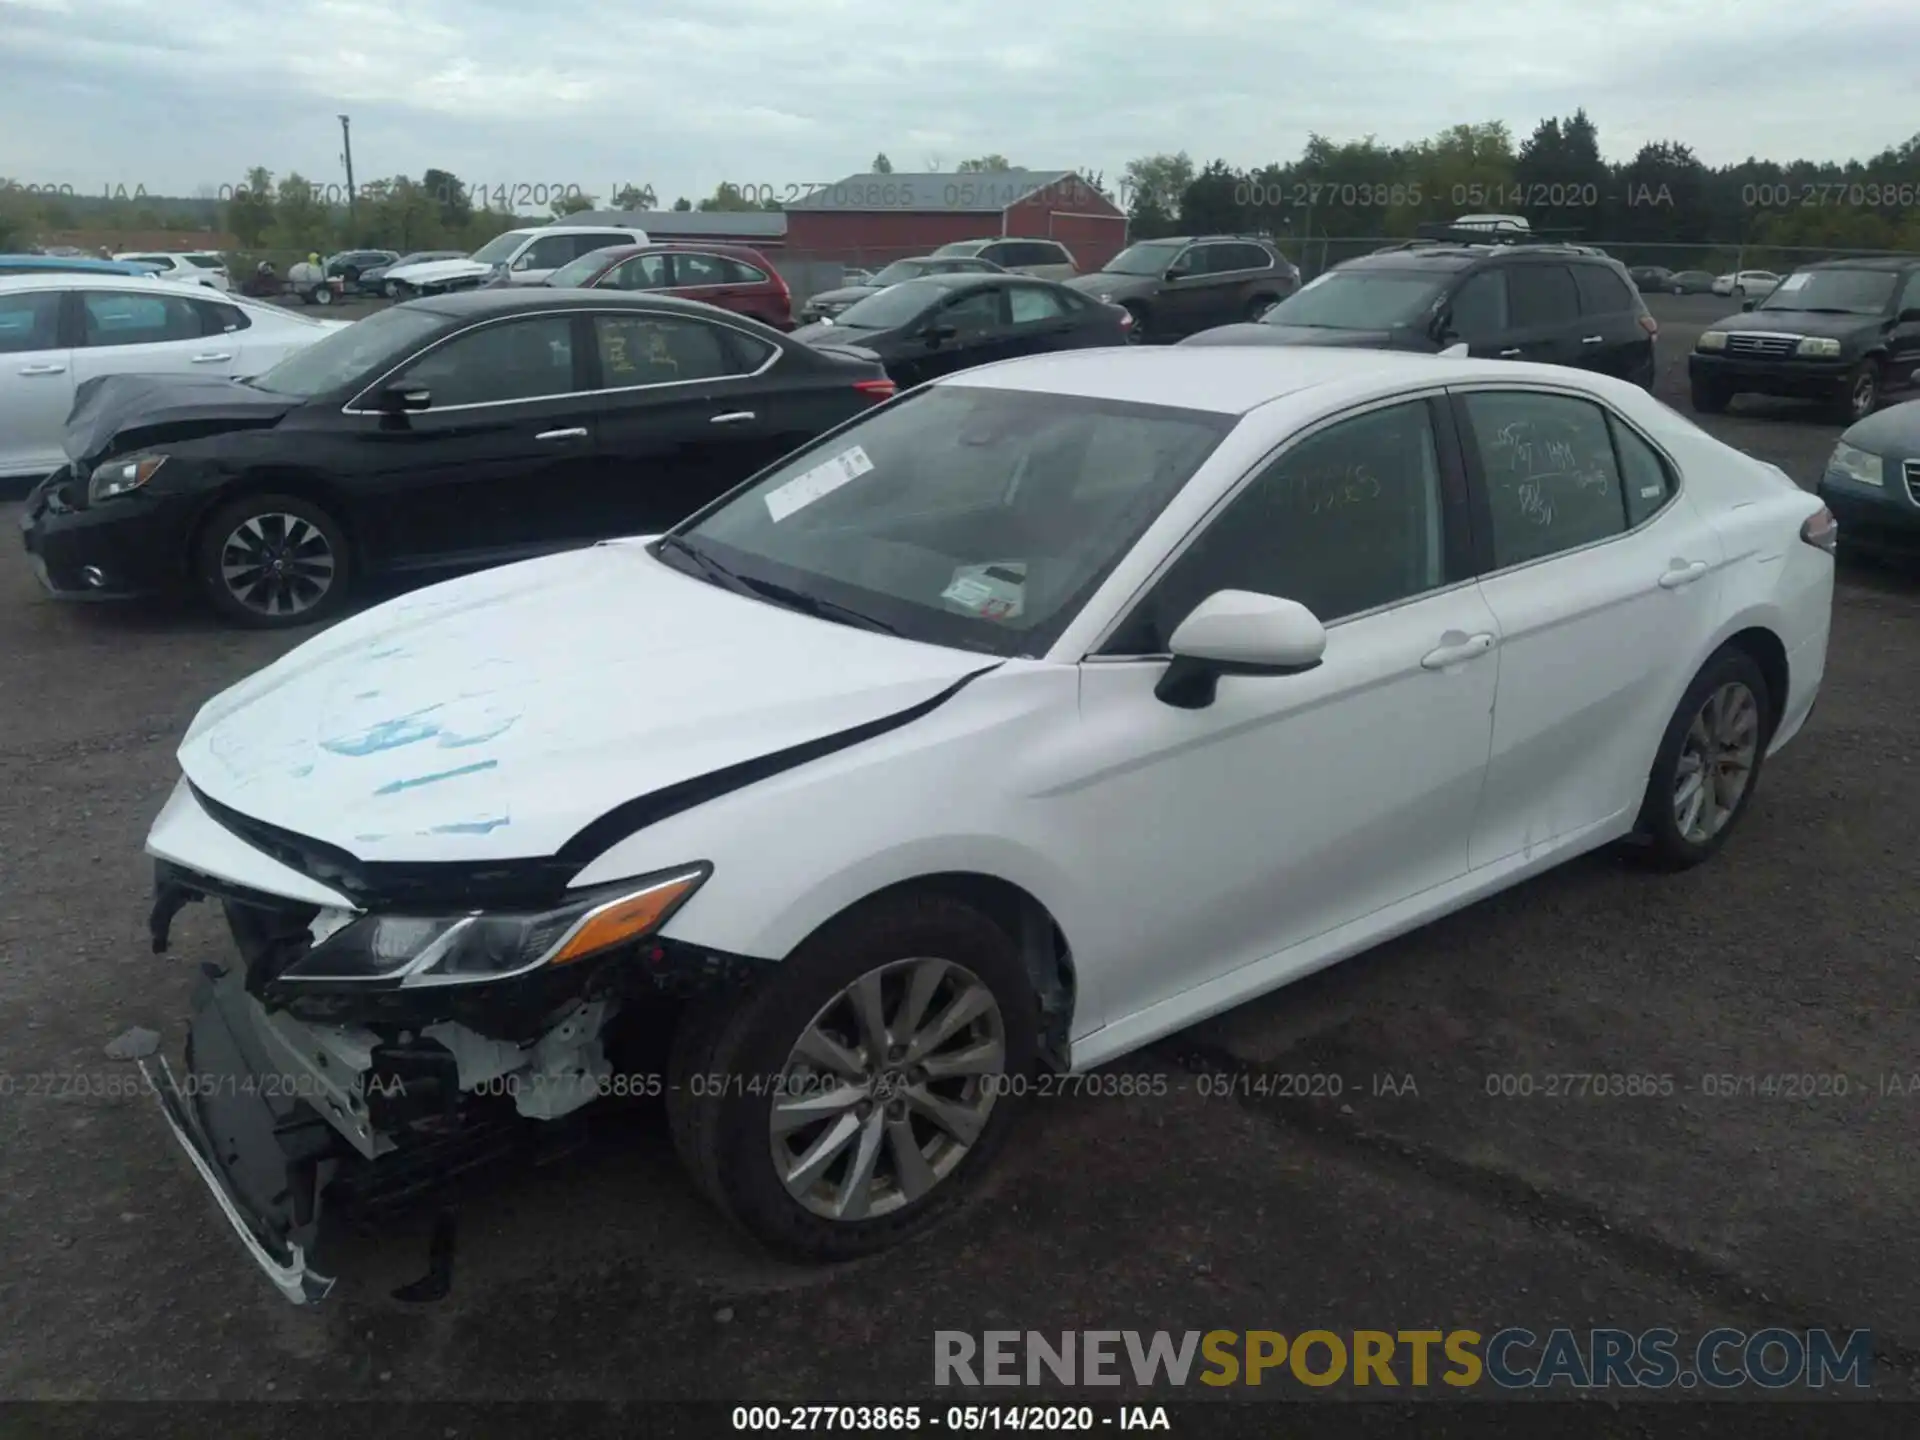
1709,763
241,543
888,1168
323,296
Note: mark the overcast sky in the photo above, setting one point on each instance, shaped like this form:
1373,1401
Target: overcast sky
177,95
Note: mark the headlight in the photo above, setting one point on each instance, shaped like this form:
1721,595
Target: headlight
419,950
1856,464
1106,297
1713,340
1817,346
122,476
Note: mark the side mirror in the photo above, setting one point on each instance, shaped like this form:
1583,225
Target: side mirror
398,399
1238,632
1179,272
525,262
937,332
1746,305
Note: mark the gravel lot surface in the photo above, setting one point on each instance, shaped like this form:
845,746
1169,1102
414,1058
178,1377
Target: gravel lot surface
1793,953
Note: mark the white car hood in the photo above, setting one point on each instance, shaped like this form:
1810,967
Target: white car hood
432,272
495,716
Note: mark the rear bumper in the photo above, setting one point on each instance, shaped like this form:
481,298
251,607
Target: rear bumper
1793,379
263,1154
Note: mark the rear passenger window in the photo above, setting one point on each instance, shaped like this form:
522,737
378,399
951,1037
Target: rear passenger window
1649,484
1601,291
216,319
1551,478
114,317
741,273
660,350
1541,295
699,270
1031,303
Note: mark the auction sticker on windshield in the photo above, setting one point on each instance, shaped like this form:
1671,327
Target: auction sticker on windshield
822,479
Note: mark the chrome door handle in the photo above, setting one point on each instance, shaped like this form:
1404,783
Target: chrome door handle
1468,649
1508,354
1683,575
210,359
732,417
1592,339
576,432
43,369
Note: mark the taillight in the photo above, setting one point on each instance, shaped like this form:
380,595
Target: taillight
1822,530
876,389
1650,325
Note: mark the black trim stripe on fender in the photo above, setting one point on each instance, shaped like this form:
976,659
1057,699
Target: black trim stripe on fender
634,815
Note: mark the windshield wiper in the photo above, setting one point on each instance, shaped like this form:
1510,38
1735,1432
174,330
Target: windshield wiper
813,605
708,567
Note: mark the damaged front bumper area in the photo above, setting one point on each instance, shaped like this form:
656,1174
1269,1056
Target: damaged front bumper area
349,1067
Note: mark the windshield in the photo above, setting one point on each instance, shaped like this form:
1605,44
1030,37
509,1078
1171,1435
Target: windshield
893,306
578,272
1357,300
1143,259
963,515
351,356
900,270
1853,292
499,250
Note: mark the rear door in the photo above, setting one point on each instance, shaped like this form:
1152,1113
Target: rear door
493,467
127,332
1039,321
1543,313
688,408
36,382
1611,339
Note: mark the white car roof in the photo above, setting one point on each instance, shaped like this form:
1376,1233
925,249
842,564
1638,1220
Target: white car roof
1229,379
94,280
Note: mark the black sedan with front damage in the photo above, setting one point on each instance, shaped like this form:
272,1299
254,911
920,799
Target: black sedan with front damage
925,328
1843,332
462,430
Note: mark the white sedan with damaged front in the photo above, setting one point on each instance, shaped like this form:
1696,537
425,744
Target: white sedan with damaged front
1036,714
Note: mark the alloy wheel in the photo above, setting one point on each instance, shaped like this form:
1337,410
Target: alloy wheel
887,1089
1716,764
1863,396
277,564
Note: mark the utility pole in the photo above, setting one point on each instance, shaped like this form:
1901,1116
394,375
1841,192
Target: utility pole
346,154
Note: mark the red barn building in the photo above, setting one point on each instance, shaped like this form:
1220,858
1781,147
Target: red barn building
873,219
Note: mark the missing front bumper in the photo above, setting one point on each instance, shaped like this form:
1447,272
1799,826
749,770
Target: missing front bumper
265,1161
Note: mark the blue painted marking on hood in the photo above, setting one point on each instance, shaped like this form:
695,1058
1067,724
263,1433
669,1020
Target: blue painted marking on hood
397,786
461,742
300,772
368,695
387,735
470,827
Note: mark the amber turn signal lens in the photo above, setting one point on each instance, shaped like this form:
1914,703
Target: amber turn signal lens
622,921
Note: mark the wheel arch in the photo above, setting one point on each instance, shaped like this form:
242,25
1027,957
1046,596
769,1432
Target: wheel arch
301,484
1769,652
1029,924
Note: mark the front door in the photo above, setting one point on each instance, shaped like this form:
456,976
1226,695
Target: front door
978,321
36,383
1198,296
1604,581
1292,804
687,410
489,469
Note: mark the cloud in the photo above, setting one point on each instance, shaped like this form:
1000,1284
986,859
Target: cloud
683,95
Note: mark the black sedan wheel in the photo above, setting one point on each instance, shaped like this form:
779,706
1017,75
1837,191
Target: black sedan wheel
272,561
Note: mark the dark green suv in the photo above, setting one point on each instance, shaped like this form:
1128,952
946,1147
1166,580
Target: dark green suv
1188,283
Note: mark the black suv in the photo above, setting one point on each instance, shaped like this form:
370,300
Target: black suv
1840,331
1188,283
1547,302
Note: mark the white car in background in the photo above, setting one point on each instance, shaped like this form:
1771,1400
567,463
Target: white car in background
1036,715
192,267
59,330
519,257
1747,284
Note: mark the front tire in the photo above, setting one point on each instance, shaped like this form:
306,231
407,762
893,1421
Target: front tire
860,1090
1709,763
271,562
1862,395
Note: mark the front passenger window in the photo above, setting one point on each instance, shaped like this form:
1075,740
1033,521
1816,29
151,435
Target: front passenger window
1548,466
1347,520
510,360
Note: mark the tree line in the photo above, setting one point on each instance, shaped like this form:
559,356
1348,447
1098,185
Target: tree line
1557,178
1663,196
